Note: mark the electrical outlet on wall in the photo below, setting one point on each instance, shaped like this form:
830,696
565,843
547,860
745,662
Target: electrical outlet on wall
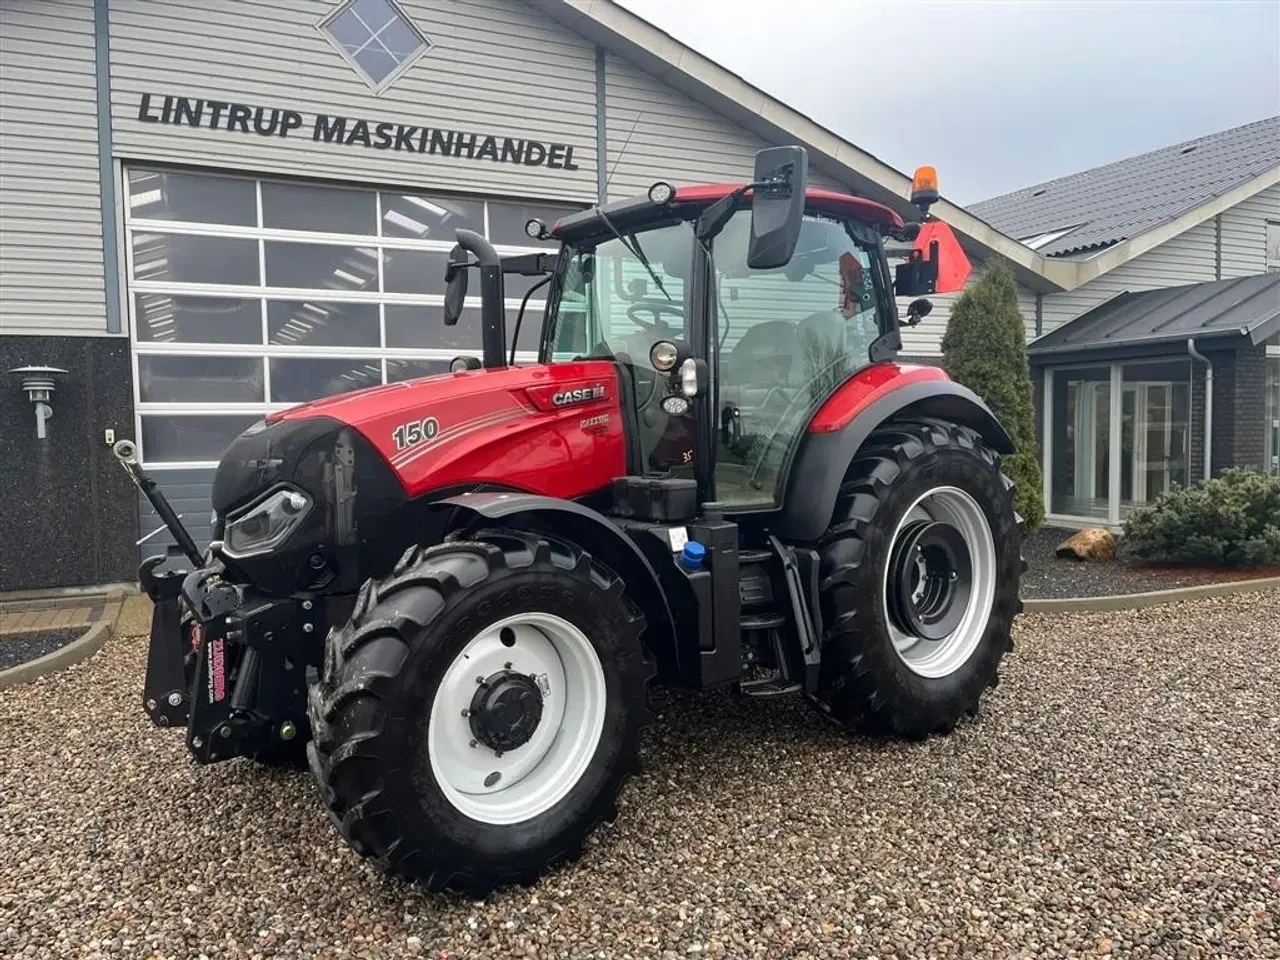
109,435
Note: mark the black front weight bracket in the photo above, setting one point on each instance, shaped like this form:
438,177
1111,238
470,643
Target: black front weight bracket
166,691
249,692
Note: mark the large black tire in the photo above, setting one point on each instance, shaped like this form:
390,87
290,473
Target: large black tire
864,684
369,711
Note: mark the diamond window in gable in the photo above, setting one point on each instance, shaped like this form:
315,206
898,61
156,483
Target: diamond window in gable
376,38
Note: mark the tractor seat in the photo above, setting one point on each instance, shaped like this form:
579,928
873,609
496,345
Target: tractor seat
765,361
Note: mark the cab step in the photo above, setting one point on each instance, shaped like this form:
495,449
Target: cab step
754,556
762,621
769,687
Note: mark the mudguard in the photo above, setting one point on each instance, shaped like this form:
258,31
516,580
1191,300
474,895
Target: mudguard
840,428
592,531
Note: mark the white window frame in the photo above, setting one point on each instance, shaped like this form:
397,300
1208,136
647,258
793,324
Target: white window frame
1271,240
1087,408
377,86
265,293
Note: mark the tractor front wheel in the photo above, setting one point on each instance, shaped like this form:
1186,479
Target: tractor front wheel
920,576
477,717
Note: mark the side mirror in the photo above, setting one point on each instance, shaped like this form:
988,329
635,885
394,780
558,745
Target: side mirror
455,290
777,206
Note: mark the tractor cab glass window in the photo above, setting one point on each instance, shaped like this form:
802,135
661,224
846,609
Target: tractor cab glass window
621,295
787,339
617,299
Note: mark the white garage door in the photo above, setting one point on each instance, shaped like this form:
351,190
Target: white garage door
248,295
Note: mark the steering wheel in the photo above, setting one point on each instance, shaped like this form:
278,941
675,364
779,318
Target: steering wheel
657,308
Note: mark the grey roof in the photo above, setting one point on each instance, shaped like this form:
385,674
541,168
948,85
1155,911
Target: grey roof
1243,307
1125,199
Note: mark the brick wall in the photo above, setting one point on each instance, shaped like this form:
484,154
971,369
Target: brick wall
1250,434
1239,400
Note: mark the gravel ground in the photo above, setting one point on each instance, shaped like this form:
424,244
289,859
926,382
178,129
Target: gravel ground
1119,794
1048,576
19,648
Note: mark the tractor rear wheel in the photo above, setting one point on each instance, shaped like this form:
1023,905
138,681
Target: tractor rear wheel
476,718
919,581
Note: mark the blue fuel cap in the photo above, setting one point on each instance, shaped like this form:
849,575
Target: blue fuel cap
692,555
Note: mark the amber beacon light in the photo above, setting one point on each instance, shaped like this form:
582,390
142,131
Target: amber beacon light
924,188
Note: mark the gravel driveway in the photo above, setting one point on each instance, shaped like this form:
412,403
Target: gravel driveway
1120,794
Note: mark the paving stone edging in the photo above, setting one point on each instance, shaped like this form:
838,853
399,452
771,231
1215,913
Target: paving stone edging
82,648
1138,601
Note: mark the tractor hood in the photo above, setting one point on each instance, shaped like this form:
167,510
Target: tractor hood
365,463
551,429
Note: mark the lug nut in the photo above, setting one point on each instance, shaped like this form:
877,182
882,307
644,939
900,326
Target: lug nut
224,732
307,628
175,699
197,743
151,704
306,604
288,731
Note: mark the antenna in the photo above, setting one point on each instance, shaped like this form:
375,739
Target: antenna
623,152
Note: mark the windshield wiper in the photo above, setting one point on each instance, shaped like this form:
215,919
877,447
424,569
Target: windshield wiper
633,247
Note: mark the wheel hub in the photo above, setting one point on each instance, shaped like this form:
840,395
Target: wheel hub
505,710
930,579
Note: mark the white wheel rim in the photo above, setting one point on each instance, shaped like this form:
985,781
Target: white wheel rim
535,776
936,658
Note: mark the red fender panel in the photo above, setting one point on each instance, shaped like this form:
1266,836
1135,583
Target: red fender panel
865,388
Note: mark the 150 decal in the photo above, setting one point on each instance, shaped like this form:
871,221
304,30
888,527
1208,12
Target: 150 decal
415,432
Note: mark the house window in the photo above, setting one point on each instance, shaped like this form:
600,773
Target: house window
376,38
1099,472
1273,246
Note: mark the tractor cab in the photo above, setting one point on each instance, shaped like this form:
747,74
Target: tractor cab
733,312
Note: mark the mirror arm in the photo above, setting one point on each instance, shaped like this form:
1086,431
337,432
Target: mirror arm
493,316
717,215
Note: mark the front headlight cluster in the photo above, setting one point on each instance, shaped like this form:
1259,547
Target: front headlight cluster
266,525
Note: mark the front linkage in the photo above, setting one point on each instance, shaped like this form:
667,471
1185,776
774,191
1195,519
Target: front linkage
233,668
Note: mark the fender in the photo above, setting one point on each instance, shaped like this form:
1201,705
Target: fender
840,428
592,531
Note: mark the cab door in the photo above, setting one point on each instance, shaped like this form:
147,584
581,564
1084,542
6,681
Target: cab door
617,299
786,340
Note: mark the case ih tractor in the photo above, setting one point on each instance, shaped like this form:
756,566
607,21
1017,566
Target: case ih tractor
450,595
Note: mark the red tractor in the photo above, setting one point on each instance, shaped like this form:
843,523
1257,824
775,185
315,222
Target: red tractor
451,595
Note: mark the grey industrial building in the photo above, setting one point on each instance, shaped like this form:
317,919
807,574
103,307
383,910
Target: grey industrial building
209,211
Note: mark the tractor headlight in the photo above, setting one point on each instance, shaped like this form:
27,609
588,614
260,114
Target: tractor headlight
266,525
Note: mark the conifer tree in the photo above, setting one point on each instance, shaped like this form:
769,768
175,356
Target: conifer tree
985,349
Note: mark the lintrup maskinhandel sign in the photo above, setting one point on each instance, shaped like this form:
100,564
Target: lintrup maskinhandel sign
348,132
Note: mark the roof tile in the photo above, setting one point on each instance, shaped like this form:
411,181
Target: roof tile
1122,200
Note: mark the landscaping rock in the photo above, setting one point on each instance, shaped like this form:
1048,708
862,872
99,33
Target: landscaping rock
1092,544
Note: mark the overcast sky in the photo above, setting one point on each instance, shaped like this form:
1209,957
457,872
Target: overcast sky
997,94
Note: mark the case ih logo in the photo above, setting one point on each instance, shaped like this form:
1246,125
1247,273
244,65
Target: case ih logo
580,395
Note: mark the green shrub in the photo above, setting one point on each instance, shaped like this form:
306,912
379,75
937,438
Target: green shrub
985,349
1231,520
